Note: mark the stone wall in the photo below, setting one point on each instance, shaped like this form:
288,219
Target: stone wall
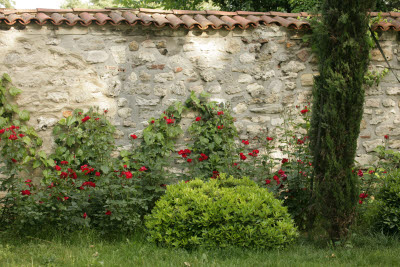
136,72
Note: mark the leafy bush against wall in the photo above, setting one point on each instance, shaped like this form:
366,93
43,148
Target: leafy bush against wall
219,213
388,217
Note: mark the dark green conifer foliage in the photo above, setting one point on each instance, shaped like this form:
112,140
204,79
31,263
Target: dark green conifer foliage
340,41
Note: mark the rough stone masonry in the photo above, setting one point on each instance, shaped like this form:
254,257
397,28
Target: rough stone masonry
136,72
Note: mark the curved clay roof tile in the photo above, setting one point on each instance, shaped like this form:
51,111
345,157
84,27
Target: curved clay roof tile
395,23
216,22
145,19
189,22
26,18
299,24
58,18
244,23
131,18
101,18
72,19
11,19
42,18
285,22
116,18
86,18
159,20
230,21
204,23
269,20
254,19
174,21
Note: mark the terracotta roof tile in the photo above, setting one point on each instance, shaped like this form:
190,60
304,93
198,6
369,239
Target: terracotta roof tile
174,18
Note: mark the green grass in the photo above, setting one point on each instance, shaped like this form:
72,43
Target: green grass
89,249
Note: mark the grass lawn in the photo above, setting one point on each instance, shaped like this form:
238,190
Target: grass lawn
88,249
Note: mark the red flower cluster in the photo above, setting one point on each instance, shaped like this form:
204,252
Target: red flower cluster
87,169
64,162
360,173
108,212
270,138
87,184
86,119
215,175
220,127
169,121
203,157
362,197
14,160
386,136
254,153
184,153
371,171
276,178
57,168
284,160
133,136
189,160
128,175
25,192
28,182
72,173
267,181
220,113
198,118
246,142
142,169
242,156
305,110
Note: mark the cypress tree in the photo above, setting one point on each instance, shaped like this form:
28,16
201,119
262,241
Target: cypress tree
341,42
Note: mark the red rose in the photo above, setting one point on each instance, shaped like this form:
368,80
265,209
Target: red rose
198,118
386,136
108,212
242,156
133,136
246,142
285,160
106,111
360,173
152,121
360,201
14,160
128,175
58,168
220,127
25,192
267,181
142,169
220,113
97,174
84,215
2,131
21,135
66,198
64,162
270,138
86,119
189,160
304,111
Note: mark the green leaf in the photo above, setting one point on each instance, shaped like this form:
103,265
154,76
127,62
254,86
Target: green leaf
24,115
6,77
63,121
42,154
36,164
27,140
70,140
14,91
105,169
50,162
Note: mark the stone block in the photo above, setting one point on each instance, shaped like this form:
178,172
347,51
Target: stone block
293,66
372,103
97,56
307,79
164,77
122,102
247,58
208,75
233,46
119,54
387,102
371,145
245,78
240,108
393,91
125,113
255,89
133,46
377,56
140,101
268,109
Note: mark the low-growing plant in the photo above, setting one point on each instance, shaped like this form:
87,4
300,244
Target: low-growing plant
218,213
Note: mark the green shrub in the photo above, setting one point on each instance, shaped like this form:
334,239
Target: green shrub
388,217
220,213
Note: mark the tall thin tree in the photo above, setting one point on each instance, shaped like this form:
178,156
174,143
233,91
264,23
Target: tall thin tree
341,42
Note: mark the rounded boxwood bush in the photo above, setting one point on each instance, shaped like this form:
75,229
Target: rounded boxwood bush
220,213
388,198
